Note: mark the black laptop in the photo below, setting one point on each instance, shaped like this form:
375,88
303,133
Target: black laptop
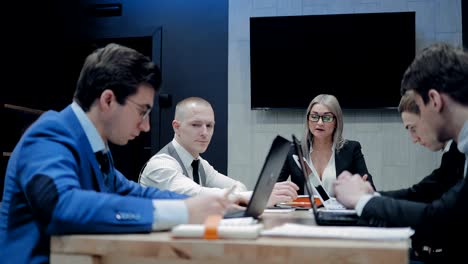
322,217
266,180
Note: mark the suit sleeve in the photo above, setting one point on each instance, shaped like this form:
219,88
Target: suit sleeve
437,222
286,169
53,189
130,188
359,163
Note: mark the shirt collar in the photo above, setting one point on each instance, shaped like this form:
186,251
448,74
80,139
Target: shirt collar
463,144
447,146
184,155
463,139
95,140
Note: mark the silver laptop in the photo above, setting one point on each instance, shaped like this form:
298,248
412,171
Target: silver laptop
266,180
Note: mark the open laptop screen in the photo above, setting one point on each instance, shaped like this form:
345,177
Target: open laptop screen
308,172
304,167
338,217
266,180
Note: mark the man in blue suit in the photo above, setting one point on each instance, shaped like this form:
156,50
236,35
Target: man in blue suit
60,177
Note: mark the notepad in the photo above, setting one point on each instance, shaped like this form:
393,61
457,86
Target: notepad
236,228
342,232
279,210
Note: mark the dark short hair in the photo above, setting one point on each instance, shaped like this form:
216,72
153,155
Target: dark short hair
408,104
118,68
441,67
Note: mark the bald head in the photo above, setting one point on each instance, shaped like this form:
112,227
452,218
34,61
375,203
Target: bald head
189,104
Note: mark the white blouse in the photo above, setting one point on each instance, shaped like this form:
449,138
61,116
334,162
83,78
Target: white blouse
329,174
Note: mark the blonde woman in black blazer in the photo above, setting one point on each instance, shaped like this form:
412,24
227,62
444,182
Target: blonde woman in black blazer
327,153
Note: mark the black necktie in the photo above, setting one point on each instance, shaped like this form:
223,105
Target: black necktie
196,178
105,164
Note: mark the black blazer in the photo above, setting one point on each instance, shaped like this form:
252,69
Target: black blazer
349,158
436,208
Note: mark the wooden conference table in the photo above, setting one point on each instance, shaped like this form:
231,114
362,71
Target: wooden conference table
160,247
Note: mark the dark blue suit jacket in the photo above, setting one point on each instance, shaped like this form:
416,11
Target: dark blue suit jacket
349,158
53,185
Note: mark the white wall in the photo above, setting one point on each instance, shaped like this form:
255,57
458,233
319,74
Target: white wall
392,159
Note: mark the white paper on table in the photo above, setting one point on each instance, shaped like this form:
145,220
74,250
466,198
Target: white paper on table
344,232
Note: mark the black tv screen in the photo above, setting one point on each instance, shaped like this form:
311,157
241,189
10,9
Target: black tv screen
359,58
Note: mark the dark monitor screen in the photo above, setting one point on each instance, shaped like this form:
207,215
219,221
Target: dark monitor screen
359,58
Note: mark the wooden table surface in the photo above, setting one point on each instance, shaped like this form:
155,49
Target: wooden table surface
160,247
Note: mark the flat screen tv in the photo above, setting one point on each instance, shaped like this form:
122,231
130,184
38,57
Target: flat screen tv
359,58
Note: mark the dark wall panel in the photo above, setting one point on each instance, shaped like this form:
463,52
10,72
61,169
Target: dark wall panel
194,58
42,43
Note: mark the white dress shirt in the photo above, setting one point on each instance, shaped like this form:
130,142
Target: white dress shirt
164,172
329,173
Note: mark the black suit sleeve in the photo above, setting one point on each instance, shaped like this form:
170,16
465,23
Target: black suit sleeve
358,163
438,182
361,167
290,168
436,223
286,170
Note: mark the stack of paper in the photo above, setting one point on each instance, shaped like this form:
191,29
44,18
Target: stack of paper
343,232
242,228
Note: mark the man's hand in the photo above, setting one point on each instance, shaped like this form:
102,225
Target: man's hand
201,206
364,178
240,199
283,192
350,188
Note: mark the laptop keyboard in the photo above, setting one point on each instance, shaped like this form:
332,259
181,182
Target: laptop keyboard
333,204
235,213
335,216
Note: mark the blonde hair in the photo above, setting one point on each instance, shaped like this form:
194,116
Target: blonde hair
333,105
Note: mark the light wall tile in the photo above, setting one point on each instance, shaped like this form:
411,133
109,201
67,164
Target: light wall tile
394,5
448,16
392,159
289,7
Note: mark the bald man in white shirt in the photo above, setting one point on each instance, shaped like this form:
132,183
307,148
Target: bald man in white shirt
171,168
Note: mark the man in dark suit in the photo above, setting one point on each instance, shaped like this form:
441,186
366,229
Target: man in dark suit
438,79
61,179
433,186
451,168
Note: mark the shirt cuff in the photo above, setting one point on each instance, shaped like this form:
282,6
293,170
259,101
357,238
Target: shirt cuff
246,195
169,213
363,201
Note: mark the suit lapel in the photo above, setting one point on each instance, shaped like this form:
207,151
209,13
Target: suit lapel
92,170
339,163
96,171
